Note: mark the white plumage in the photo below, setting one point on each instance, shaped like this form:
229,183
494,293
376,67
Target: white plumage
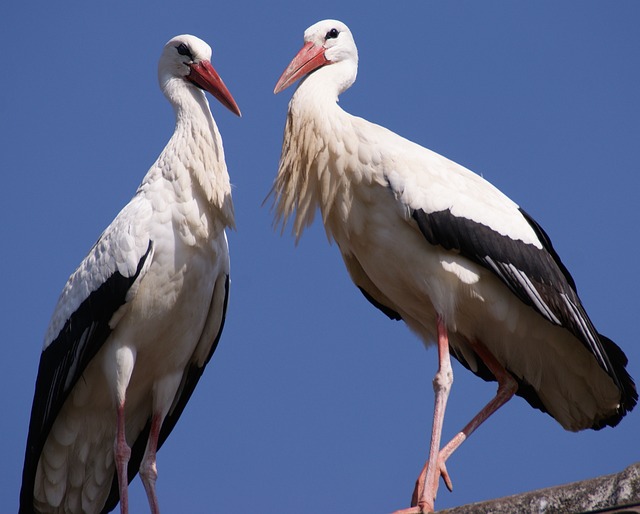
429,242
139,319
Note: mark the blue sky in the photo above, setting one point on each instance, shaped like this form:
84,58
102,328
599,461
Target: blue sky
315,401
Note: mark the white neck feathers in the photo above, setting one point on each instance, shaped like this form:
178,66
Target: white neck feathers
194,155
319,145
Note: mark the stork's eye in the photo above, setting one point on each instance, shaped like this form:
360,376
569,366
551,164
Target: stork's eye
332,34
184,50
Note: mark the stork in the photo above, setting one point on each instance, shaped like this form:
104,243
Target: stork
139,319
433,244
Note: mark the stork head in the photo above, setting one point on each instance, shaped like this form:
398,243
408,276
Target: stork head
188,58
326,42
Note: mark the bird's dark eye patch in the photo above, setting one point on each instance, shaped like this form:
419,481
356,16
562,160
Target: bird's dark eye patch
184,50
332,34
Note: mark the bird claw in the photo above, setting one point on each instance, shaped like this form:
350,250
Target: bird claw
417,490
445,476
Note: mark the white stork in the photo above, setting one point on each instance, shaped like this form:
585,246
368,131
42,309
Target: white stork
429,242
139,319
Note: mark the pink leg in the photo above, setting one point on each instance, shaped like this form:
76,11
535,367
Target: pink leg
507,386
441,386
148,469
426,488
122,454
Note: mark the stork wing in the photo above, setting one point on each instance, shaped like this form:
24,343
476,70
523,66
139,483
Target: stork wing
83,319
536,276
458,210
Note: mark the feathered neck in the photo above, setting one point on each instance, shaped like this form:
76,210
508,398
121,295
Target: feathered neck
313,138
195,148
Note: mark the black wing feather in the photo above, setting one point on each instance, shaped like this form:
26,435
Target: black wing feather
536,276
506,257
388,311
63,362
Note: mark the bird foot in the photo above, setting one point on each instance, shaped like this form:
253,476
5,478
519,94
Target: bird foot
425,503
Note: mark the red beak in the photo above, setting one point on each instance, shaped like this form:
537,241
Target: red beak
309,58
204,76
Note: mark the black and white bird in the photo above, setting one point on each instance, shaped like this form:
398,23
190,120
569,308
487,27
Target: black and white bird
431,243
139,319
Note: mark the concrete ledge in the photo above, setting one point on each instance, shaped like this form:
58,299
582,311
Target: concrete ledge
618,493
